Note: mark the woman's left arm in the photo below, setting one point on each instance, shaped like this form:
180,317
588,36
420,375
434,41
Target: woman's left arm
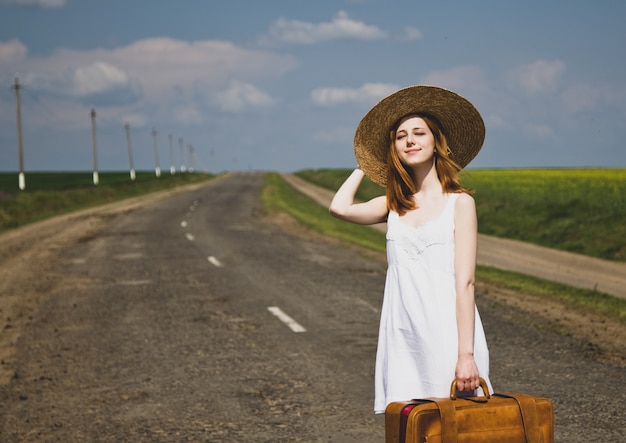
465,244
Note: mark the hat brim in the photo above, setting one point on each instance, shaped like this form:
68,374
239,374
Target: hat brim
460,122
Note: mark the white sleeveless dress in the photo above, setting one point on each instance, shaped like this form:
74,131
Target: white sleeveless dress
418,342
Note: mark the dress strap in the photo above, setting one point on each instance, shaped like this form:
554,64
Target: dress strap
451,201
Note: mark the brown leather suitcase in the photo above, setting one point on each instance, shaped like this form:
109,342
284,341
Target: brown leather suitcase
500,418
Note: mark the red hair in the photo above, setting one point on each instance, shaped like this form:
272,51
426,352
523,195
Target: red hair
401,180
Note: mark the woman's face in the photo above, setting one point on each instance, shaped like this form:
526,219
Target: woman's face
414,142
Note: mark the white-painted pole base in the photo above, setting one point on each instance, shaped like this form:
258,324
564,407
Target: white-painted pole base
96,179
132,175
22,181
157,171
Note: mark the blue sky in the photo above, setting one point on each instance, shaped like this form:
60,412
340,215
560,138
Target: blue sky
282,84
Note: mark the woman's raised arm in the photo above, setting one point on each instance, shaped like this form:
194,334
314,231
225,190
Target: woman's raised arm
343,206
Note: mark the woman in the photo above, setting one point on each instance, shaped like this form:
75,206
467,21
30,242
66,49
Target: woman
415,142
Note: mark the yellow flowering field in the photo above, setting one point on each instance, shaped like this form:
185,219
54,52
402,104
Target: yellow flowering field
579,210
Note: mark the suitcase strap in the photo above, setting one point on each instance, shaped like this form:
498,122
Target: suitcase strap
447,414
530,420
528,410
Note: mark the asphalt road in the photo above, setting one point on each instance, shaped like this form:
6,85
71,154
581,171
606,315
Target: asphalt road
165,326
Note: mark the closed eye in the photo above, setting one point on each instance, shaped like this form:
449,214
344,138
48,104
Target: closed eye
400,135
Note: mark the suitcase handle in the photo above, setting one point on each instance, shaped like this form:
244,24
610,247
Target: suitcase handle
526,404
483,385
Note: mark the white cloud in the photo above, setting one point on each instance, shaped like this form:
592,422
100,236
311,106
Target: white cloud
188,115
460,78
539,131
540,76
38,3
368,93
163,63
241,97
334,136
581,98
493,121
284,31
12,51
134,119
412,33
98,83
158,64
97,78
172,78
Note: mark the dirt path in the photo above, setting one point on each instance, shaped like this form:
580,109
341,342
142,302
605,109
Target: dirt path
549,264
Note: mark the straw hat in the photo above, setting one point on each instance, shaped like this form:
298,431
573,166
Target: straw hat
461,124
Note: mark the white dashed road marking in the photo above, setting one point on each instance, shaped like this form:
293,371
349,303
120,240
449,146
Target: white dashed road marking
293,325
134,282
214,261
129,256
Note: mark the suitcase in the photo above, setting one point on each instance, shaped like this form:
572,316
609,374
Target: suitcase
497,418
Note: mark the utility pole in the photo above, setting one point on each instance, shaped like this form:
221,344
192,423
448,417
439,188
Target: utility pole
190,147
130,152
95,149
157,168
182,154
172,167
201,165
21,177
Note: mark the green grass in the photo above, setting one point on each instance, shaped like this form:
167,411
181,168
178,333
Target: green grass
575,210
48,193
333,178
59,181
279,195
583,300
